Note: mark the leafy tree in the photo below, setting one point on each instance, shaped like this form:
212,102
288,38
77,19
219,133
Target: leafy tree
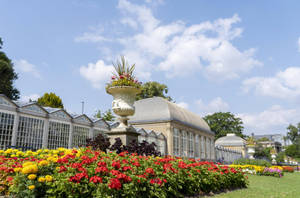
107,115
262,152
151,89
224,122
50,100
263,139
7,76
293,132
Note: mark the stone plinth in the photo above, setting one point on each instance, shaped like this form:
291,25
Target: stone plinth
126,134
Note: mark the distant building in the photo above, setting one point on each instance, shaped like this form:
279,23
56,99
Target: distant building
274,137
233,142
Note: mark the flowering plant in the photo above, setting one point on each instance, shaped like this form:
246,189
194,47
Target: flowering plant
87,173
123,75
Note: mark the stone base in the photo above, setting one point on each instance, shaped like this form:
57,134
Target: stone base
126,134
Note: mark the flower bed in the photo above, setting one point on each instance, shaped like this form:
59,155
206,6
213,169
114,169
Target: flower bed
289,169
276,171
87,173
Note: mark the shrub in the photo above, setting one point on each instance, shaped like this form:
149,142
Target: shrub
87,173
256,162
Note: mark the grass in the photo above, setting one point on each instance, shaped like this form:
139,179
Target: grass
268,187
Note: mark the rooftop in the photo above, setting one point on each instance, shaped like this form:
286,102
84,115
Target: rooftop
158,109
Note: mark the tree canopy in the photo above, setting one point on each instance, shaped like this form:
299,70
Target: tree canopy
107,115
293,132
151,89
50,100
7,76
224,122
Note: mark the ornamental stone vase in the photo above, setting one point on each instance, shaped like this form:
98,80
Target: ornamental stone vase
250,151
122,105
273,156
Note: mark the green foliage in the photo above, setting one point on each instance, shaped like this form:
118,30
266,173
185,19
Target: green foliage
257,162
50,100
224,122
280,157
151,89
7,77
262,152
263,139
293,150
293,132
107,115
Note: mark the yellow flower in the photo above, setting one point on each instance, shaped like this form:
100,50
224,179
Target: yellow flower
31,176
31,187
30,169
27,164
13,155
57,168
17,170
41,179
48,178
43,163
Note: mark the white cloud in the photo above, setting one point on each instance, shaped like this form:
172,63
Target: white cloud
26,67
97,73
216,105
179,49
183,105
272,120
285,84
90,37
32,97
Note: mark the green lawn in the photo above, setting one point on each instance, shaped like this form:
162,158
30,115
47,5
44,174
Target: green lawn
268,187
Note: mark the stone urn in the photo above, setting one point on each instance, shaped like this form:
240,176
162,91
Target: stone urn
122,105
273,156
250,151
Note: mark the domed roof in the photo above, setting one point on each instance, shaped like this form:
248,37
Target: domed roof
158,109
230,140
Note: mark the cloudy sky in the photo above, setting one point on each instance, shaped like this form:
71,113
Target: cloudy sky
237,56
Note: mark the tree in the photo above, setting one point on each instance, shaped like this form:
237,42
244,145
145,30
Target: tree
293,132
7,76
224,122
50,100
263,139
107,115
151,89
262,152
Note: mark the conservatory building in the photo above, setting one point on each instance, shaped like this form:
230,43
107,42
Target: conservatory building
30,126
186,133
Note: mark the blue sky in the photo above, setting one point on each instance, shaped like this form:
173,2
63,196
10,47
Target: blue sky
237,56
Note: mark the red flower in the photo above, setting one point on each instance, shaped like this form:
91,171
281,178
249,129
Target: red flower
115,184
101,163
116,164
150,171
101,170
125,168
9,178
96,179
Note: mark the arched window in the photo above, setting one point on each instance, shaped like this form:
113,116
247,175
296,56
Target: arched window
176,142
197,148
191,144
184,143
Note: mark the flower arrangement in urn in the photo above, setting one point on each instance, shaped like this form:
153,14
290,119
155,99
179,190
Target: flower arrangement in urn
123,87
123,75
